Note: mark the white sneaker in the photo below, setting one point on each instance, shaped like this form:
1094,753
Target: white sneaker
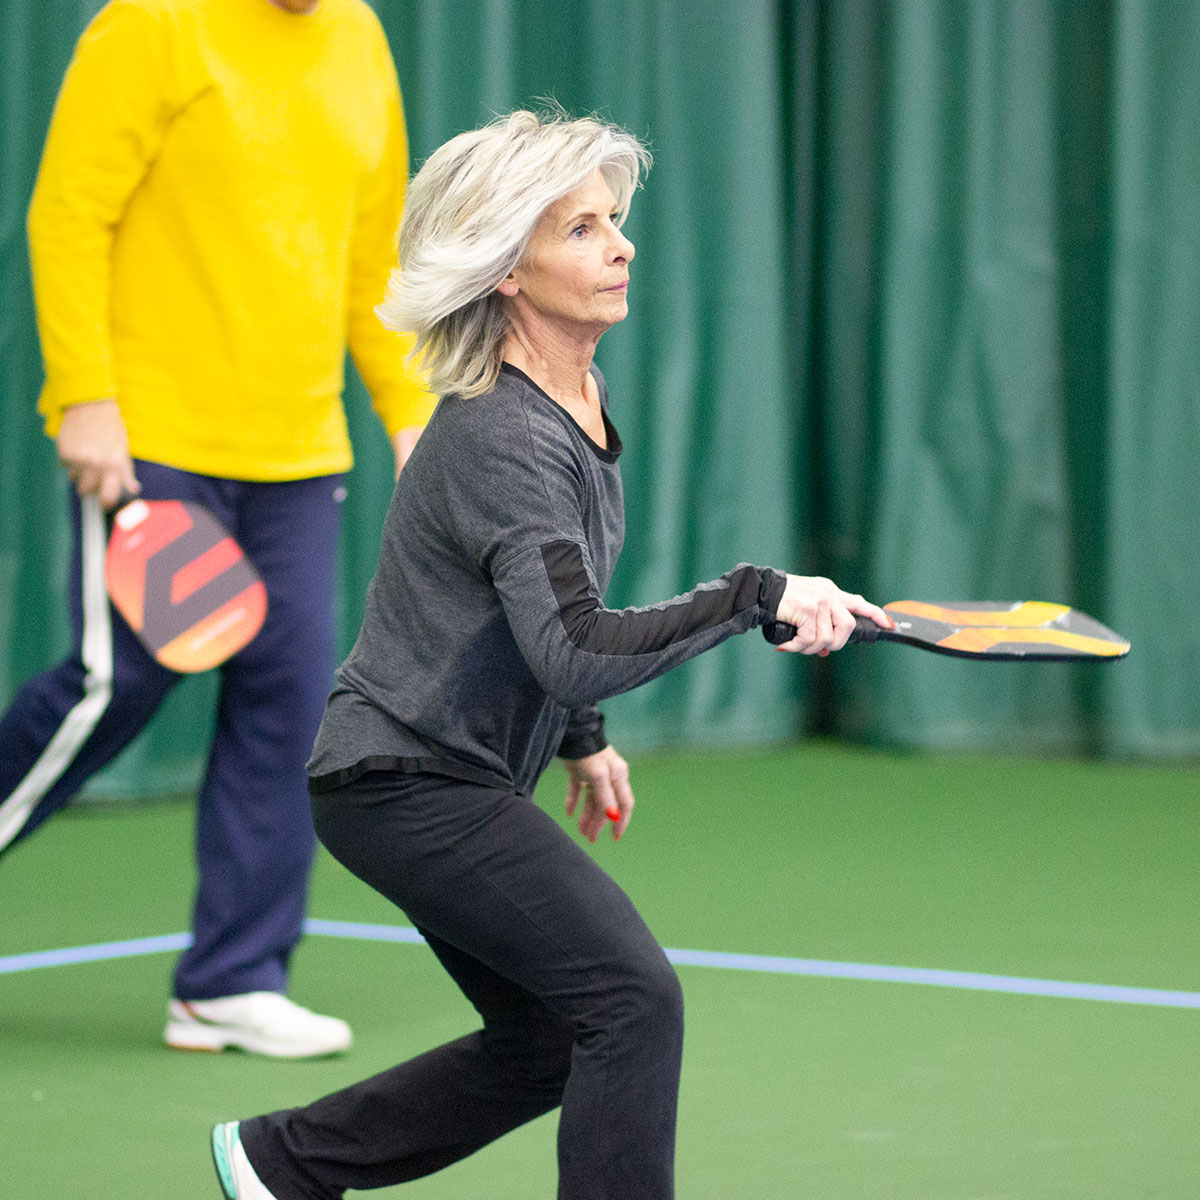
260,1022
238,1180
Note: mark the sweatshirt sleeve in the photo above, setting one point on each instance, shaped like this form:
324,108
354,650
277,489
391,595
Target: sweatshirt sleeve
397,390
109,122
584,733
582,652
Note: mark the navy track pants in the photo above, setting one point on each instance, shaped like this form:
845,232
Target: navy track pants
254,836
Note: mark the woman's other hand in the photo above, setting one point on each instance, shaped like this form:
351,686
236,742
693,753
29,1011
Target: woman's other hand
601,780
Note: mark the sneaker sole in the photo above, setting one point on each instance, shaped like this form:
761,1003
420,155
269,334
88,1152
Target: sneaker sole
219,1145
212,1039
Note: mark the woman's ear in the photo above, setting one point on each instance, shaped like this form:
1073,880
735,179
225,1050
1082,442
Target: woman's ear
508,286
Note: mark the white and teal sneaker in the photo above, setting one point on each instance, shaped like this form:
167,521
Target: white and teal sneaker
238,1180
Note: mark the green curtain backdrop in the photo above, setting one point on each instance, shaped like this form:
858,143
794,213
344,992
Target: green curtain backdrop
915,305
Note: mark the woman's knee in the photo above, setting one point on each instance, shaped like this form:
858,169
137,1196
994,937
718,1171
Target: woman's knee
667,992
651,998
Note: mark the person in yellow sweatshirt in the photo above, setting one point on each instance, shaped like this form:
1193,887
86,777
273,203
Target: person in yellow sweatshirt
211,227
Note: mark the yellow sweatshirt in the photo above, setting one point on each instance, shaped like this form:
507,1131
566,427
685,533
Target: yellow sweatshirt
213,222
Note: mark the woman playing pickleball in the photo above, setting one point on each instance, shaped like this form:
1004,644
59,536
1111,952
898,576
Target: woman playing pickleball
484,649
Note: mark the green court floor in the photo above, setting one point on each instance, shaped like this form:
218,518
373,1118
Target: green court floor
796,1087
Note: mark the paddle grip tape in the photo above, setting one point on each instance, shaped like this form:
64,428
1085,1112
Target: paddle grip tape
778,632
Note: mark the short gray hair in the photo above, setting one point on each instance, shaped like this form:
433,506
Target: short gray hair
470,213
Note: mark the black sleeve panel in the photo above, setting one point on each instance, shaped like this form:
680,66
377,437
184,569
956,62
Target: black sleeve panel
593,628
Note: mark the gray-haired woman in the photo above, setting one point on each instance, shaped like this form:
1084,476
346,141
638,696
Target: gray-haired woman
484,648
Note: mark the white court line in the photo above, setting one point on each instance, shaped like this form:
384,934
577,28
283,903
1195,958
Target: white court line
819,968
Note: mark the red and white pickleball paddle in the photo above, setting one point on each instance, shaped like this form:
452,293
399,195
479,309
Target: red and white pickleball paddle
182,583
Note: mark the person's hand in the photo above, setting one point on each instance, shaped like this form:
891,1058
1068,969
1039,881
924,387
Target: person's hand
94,449
602,781
823,614
403,441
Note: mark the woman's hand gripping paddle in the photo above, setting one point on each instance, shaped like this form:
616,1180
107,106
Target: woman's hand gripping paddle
182,583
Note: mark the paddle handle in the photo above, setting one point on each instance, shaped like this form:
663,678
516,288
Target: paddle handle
778,632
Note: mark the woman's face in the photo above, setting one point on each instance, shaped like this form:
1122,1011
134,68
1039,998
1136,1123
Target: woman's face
575,273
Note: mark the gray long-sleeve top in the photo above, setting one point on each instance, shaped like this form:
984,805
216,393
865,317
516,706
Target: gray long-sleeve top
486,644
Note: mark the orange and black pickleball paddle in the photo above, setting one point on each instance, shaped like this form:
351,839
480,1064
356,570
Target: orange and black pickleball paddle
1025,631
182,583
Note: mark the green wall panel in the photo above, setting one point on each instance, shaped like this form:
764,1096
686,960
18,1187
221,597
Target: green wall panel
914,305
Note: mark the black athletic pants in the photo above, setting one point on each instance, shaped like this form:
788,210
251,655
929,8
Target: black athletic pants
580,1007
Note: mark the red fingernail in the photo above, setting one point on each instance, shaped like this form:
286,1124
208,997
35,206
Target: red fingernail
613,813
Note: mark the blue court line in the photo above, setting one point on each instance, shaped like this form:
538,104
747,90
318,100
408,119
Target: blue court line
819,968
98,953
365,933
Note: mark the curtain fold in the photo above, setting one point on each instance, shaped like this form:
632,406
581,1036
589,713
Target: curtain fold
914,305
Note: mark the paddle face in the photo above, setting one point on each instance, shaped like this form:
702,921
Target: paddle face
1024,631
182,583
